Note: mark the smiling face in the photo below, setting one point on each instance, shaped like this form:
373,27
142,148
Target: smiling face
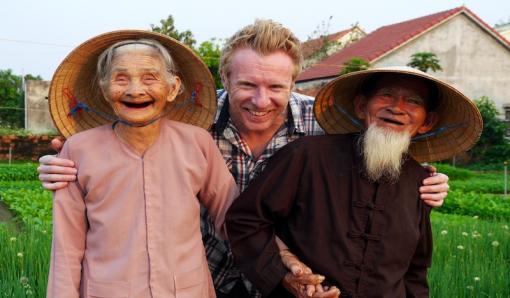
398,103
259,90
138,87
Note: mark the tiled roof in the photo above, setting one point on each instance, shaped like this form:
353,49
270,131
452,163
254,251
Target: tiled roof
311,46
384,40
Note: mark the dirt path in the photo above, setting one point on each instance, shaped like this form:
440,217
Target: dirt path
5,214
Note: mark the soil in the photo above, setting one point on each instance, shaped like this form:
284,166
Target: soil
5,214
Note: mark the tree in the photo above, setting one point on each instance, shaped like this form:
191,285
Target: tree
12,98
210,53
355,64
167,27
321,32
493,146
425,61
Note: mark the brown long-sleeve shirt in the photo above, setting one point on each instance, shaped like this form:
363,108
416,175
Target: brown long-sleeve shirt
369,239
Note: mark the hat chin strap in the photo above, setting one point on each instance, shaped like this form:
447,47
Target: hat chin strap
438,131
433,133
353,120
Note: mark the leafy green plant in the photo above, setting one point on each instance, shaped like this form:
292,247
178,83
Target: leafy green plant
18,172
210,53
425,61
7,130
29,202
453,172
355,64
484,167
488,206
493,146
167,27
483,186
11,98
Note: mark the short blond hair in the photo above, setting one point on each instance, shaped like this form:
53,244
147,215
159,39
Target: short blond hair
264,37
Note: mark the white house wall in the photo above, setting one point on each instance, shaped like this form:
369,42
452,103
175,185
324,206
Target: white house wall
38,119
472,60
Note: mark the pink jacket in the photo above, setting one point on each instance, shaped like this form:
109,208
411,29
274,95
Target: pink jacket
130,226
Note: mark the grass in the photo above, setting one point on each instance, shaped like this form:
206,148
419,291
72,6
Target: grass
471,252
471,257
24,261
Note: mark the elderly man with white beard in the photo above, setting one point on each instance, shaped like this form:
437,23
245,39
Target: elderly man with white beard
347,204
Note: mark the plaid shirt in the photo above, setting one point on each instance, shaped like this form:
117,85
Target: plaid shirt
300,122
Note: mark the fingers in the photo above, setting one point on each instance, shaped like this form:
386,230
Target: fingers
435,190
54,185
51,178
293,264
297,289
437,179
55,172
308,279
431,169
310,290
319,288
54,169
433,203
52,160
332,292
56,144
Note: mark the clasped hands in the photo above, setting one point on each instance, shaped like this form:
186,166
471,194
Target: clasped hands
301,282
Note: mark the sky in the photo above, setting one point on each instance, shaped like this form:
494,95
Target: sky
35,35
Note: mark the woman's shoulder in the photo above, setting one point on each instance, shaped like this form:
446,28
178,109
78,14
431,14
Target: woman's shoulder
186,130
91,136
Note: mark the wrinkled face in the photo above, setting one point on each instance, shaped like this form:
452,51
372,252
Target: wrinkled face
259,90
138,88
398,104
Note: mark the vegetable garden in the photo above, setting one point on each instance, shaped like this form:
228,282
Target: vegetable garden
471,235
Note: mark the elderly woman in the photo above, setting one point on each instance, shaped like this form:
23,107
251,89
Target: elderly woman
129,226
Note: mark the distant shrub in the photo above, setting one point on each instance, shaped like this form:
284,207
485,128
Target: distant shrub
453,172
499,166
33,205
486,186
18,172
488,206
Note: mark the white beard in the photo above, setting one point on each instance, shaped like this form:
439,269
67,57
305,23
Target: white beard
383,151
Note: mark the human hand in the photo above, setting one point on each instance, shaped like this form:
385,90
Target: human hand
435,188
300,286
326,292
56,144
55,173
301,282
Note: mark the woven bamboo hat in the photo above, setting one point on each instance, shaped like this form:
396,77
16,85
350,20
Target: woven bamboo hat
76,103
459,121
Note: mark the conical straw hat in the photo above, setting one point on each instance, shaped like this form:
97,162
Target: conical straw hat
75,82
334,106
